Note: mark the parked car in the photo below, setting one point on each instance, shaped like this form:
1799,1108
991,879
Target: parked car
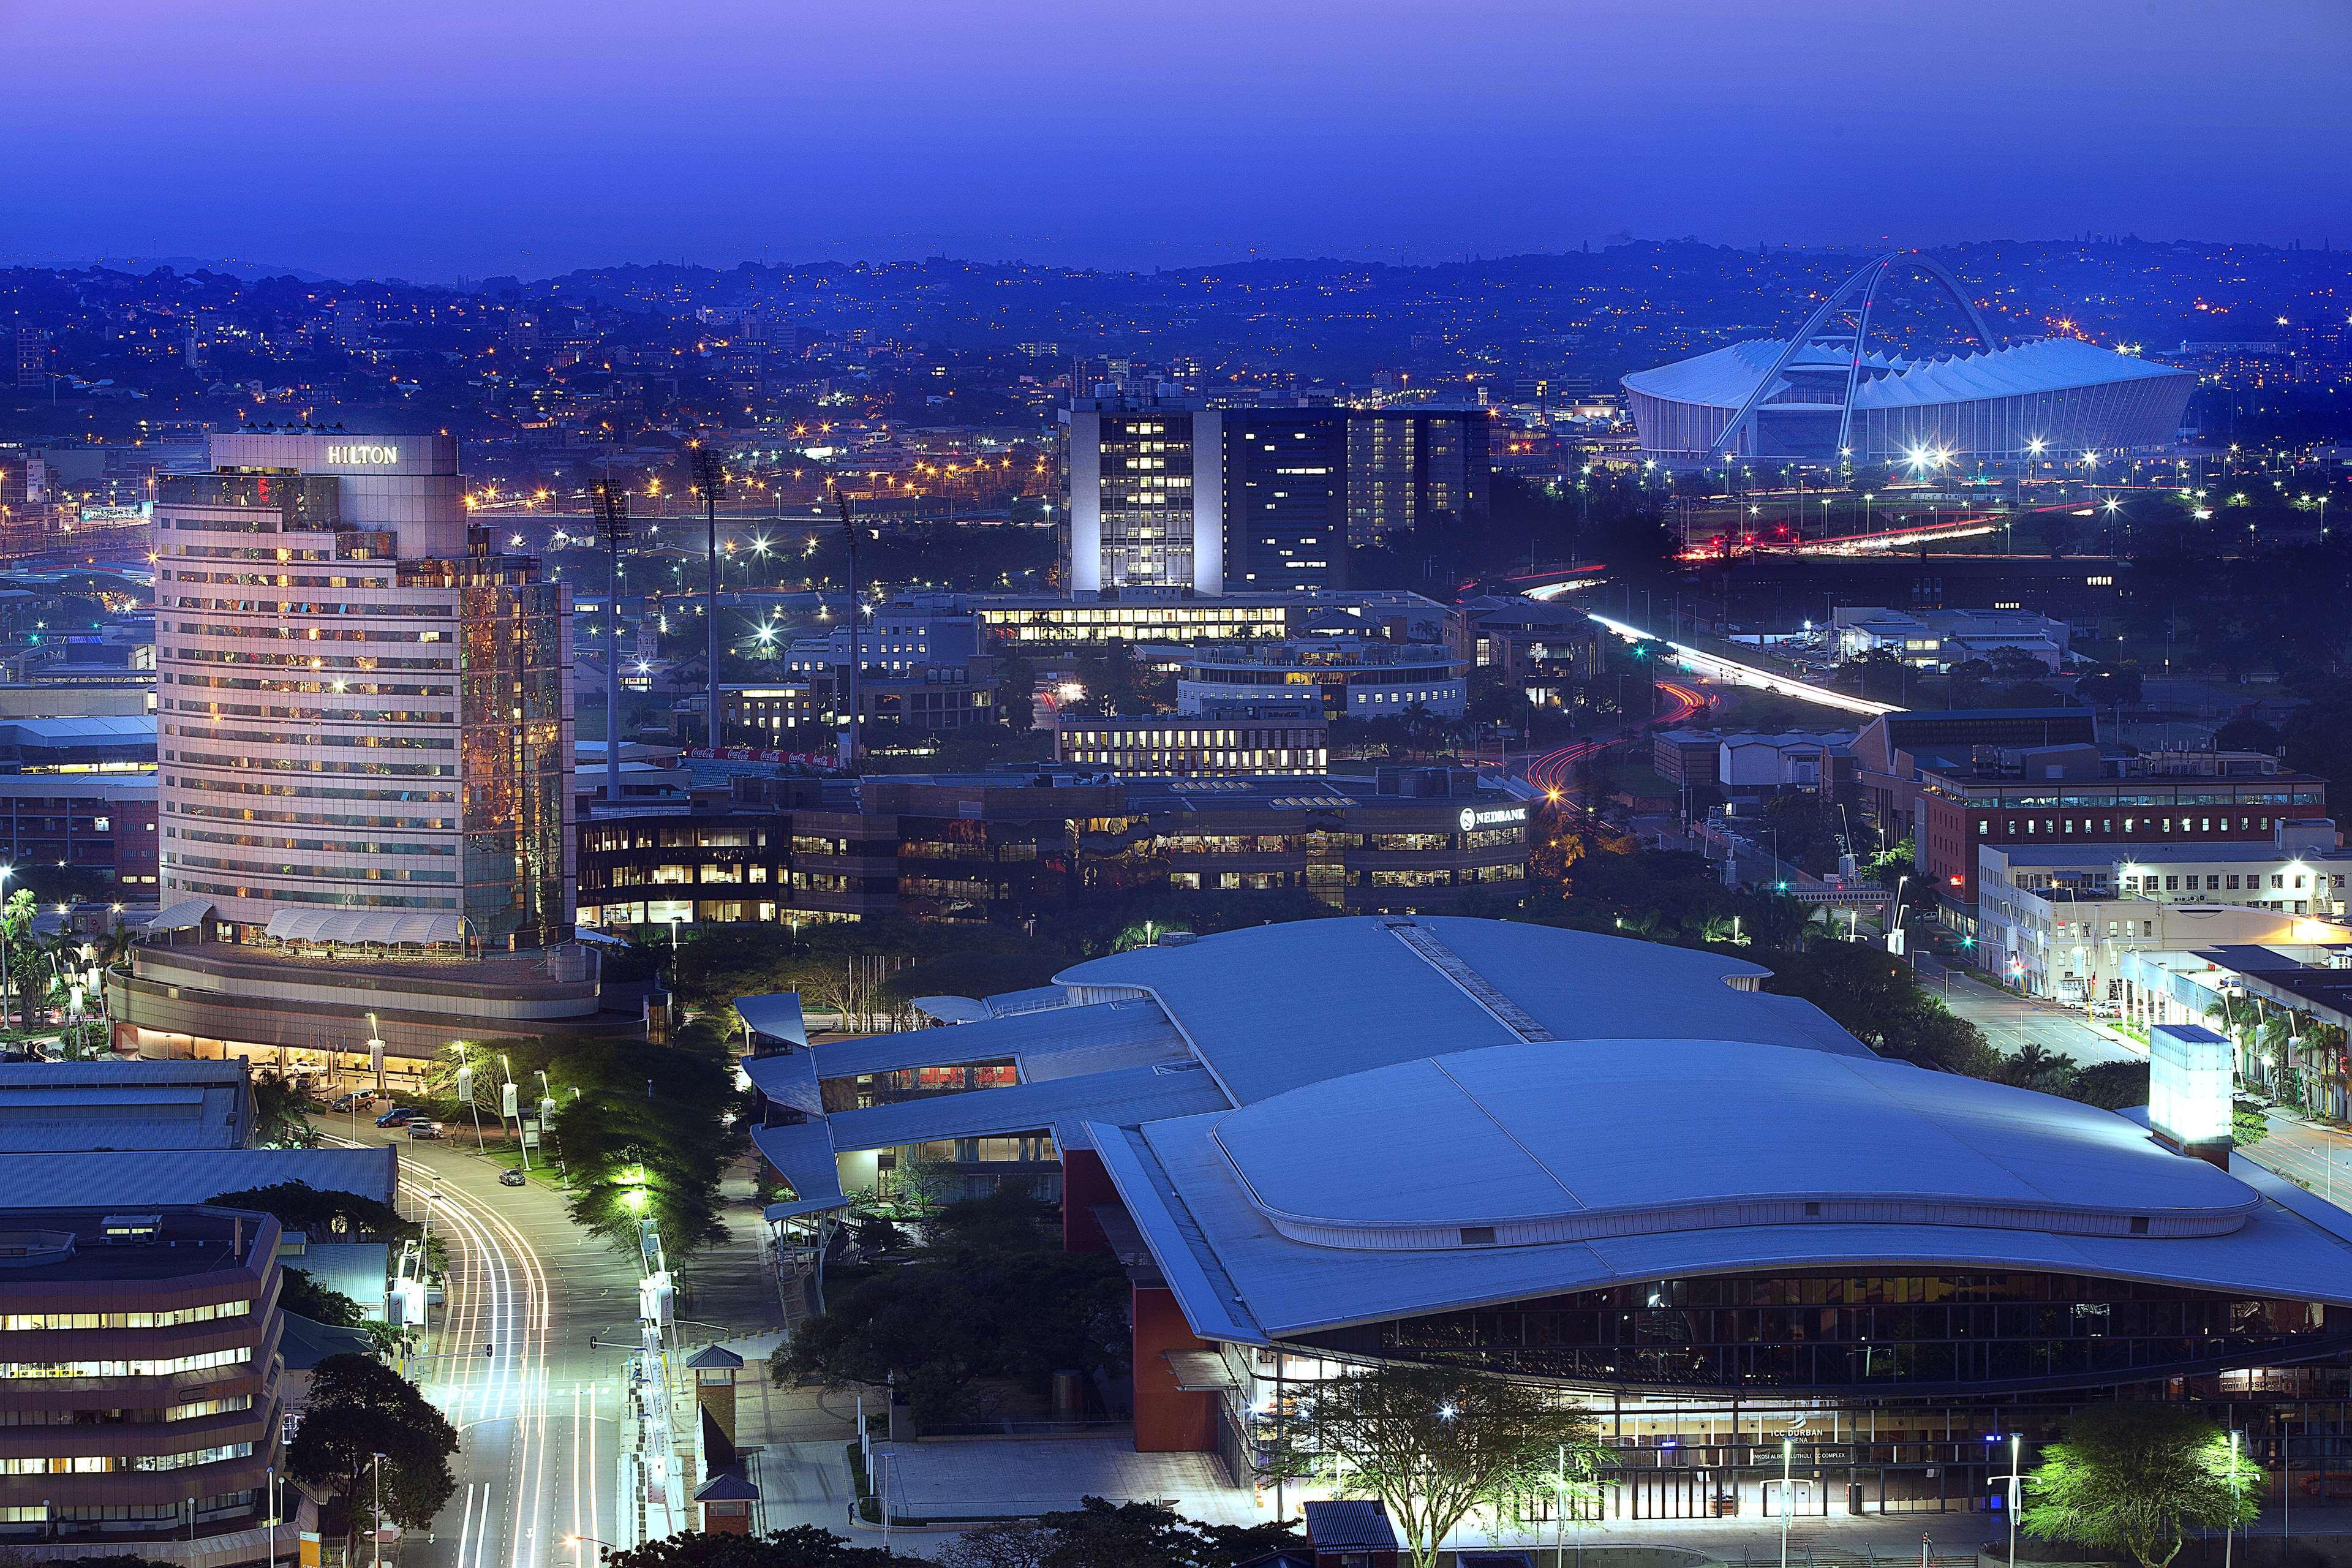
512,1178
398,1115
422,1128
350,1099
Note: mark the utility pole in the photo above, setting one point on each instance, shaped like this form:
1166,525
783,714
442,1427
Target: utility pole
710,478
613,514
849,721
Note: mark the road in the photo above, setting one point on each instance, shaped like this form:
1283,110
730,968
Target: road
2011,1022
510,1360
2319,1157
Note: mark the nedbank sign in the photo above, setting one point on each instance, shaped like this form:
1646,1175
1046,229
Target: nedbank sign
1496,818
362,456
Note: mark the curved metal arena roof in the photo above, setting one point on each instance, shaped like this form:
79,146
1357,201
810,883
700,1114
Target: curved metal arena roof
1726,377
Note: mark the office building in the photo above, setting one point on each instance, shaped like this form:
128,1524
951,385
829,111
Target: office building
1337,677
99,829
365,706
139,1377
1892,751
1393,1139
1146,496
2066,944
1035,622
1413,467
1286,479
2070,793
1547,650
1016,844
1223,738
1168,495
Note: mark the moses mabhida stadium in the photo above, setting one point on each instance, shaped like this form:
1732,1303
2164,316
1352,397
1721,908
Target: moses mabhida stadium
1825,396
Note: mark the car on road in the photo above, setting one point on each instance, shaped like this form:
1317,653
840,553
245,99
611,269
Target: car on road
399,1115
422,1127
349,1100
512,1179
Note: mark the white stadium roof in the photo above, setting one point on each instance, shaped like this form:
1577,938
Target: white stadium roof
1340,1122
1725,377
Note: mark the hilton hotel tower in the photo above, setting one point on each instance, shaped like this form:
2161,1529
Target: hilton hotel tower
364,708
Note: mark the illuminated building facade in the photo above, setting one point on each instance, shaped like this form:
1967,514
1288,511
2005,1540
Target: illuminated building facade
363,706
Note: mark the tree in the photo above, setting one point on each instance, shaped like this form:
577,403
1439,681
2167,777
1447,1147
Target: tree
1435,1443
990,1295
2035,1067
801,1546
359,1408
1877,999
1099,1534
306,1297
2247,735
2139,1476
280,1118
1006,1543
649,1137
322,1213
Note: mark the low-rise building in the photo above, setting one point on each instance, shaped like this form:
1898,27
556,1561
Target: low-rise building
98,828
1543,648
2066,944
1938,639
1015,844
1230,739
2070,793
139,1371
1348,677
1753,766
1327,1144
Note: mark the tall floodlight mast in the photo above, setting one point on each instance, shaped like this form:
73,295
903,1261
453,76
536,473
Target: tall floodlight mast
710,478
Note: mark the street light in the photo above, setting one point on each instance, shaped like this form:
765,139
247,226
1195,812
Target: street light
577,1542
2016,1440
2230,1527
1788,1462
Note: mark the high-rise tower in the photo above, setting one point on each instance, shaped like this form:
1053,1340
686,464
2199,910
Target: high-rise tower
365,705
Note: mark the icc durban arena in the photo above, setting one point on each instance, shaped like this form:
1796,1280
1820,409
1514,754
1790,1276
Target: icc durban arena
1823,395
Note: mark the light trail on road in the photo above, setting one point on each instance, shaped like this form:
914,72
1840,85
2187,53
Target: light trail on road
1715,665
493,1350
1554,771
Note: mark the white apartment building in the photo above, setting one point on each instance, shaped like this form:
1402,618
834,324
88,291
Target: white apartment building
2299,872
363,707
1147,497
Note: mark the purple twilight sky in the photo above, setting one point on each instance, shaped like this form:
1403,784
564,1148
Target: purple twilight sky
429,139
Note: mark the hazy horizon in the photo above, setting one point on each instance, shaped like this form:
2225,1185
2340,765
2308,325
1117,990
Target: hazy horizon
437,140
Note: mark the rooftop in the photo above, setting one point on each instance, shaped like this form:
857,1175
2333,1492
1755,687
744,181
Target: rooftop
1241,999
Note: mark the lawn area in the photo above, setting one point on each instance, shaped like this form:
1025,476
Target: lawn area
542,1171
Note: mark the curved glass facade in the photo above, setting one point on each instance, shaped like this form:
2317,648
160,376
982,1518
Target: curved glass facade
1912,1333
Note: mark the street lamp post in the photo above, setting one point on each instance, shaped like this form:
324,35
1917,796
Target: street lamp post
375,1463
2229,1526
1788,1463
2016,1441
577,1542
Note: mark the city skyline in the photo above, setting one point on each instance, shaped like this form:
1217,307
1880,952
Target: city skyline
1215,137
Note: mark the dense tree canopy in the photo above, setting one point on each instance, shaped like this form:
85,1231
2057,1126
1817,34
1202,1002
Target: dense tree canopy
360,1408
991,1295
2139,1476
